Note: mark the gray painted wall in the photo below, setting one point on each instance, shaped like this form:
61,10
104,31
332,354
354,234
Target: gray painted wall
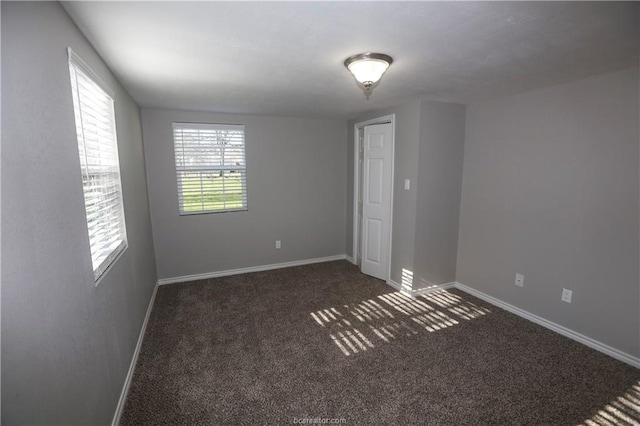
442,137
66,344
407,140
296,193
550,190
429,147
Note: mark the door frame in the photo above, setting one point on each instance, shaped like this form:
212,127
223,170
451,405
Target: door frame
358,128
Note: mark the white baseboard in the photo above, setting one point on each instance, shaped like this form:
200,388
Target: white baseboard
134,360
238,271
350,259
432,288
419,292
395,285
594,344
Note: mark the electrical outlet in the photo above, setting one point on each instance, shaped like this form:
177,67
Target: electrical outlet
566,295
278,244
407,184
520,280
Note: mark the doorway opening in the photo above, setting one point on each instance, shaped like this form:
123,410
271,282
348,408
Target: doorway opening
374,142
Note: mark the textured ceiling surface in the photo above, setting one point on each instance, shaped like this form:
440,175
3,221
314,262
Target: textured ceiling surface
286,58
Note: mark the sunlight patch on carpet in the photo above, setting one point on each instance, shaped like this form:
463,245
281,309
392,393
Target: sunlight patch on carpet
358,327
623,410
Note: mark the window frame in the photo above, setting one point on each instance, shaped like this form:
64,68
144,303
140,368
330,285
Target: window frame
106,262
212,168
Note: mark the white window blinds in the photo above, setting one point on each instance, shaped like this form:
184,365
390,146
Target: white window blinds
98,149
210,167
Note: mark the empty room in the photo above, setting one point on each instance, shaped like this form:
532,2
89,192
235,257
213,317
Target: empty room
351,213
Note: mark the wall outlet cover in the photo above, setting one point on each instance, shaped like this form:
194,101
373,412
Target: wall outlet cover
519,280
566,295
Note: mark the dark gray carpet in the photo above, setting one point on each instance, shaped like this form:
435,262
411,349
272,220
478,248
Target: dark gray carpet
326,342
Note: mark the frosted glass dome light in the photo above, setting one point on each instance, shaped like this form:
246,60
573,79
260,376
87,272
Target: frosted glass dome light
368,68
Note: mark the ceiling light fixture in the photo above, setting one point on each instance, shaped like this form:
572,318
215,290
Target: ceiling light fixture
368,68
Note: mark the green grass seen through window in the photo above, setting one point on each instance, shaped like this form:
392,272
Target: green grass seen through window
206,191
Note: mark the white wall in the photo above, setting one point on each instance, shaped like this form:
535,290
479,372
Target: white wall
66,344
296,178
550,190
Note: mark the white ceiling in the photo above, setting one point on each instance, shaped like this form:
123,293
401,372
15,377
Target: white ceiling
286,58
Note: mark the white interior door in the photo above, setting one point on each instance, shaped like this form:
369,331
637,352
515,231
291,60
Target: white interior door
376,199
359,196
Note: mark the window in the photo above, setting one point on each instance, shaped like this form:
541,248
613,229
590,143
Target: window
210,167
98,150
